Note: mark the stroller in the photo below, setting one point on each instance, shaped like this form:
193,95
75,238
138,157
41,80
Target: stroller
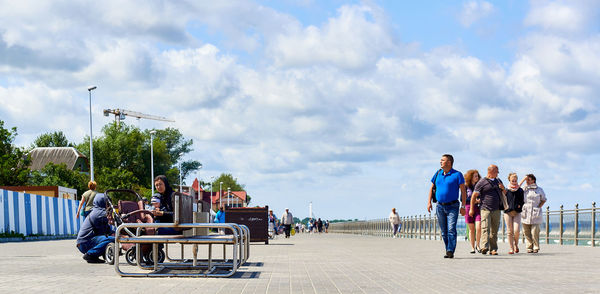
131,211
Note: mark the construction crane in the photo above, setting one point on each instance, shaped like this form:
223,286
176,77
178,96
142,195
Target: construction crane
121,113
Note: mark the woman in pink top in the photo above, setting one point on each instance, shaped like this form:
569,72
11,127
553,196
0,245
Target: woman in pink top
473,222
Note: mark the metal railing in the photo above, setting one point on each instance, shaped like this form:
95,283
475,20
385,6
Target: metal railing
578,226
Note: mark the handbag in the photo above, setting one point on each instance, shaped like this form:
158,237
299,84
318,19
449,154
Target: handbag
503,202
433,198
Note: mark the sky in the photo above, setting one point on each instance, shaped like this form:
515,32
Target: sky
345,104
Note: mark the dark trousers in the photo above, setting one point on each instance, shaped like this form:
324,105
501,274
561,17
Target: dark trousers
287,229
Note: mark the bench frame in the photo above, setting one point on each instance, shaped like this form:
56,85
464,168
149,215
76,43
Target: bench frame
239,240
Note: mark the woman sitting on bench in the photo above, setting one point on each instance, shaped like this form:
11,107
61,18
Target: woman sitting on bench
162,201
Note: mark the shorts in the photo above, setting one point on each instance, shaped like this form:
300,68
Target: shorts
476,216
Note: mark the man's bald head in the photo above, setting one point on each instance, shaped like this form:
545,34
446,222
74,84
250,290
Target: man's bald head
492,171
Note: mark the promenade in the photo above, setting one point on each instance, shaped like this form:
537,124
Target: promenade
326,263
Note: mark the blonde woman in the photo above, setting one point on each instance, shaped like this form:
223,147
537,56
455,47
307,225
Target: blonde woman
473,222
531,217
512,213
87,200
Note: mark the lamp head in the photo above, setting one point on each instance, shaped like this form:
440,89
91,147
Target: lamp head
92,88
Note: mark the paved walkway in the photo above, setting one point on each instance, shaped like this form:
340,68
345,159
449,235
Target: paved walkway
327,263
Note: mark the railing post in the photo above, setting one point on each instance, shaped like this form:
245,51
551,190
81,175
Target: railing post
560,238
547,225
593,223
435,226
576,233
420,226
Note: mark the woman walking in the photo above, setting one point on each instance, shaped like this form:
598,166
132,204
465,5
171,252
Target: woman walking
512,214
473,222
394,221
87,200
535,198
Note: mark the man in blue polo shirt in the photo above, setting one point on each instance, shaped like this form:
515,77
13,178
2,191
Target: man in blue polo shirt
447,182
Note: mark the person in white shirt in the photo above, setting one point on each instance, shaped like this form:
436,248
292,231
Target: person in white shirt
287,219
531,216
394,221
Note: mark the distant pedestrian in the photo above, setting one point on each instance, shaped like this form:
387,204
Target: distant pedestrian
272,222
327,226
320,225
490,192
473,222
531,216
394,222
287,219
512,213
447,182
87,200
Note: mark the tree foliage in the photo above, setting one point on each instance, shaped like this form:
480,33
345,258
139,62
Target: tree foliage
59,175
14,161
122,157
54,139
229,182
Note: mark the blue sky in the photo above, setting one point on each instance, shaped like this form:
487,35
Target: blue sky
348,104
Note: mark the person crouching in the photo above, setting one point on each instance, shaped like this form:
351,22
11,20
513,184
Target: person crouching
95,232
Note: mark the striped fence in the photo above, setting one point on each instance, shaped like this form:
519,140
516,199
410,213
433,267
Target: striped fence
30,214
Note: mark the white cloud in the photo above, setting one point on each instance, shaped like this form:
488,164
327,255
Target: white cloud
355,38
334,105
557,16
473,11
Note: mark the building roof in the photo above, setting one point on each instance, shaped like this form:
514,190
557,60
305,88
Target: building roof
41,156
238,194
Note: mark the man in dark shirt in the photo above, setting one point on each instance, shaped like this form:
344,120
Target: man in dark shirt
488,190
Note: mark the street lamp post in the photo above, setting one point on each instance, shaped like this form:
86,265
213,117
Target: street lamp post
220,192
180,181
152,159
91,137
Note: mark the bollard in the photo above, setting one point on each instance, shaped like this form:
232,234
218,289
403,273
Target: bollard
576,233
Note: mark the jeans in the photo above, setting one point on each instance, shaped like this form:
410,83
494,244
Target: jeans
395,228
490,221
96,246
447,216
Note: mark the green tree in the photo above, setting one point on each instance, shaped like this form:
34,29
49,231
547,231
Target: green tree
14,161
59,175
54,139
228,182
122,157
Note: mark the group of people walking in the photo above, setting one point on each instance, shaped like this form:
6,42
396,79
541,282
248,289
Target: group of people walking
482,199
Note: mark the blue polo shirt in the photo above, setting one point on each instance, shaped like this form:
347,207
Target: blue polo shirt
448,185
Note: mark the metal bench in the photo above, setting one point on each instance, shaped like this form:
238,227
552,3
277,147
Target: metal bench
239,240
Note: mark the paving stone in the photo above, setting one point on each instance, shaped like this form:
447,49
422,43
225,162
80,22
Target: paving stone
326,263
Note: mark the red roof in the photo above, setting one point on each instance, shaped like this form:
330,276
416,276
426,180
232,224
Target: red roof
238,194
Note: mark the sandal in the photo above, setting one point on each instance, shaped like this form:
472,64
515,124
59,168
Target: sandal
477,249
493,252
472,251
516,249
511,252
